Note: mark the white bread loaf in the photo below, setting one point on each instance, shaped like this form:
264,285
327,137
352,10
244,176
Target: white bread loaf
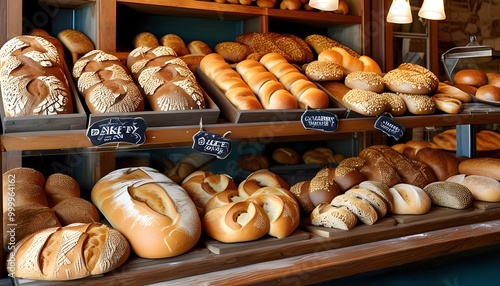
155,214
167,81
67,253
483,188
232,216
106,84
484,166
409,199
32,78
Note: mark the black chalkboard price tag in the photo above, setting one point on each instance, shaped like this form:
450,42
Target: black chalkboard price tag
319,120
212,144
117,130
390,127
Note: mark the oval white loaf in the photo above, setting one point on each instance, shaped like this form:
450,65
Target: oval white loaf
483,188
409,199
71,252
155,214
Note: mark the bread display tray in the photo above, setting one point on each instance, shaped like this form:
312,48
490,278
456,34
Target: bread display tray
245,116
209,115
74,121
336,90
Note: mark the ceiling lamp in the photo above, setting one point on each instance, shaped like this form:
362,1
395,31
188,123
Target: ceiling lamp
400,12
432,10
325,5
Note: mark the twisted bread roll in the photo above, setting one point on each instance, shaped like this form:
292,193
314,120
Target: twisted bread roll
260,179
71,252
306,92
106,84
233,217
271,93
157,216
201,186
166,80
229,82
32,78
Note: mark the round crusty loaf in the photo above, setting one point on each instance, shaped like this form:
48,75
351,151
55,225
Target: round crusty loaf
329,216
411,79
72,252
201,186
472,77
360,208
370,197
409,199
156,215
488,92
483,188
76,210
449,194
485,166
232,216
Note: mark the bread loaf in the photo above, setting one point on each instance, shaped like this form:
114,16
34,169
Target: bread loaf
166,80
326,215
319,43
229,82
488,92
484,166
443,163
233,52
145,39
371,81
198,47
253,162
59,186
472,77
323,71
410,199
483,188
411,79
233,217
157,216
286,156
360,208
76,210
32,78
449,194
176,43
106,84
370,197
67,253
76,42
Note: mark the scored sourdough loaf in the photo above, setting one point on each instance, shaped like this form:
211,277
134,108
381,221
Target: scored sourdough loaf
32,78
67,253
166,80
106,84
409,199
156,215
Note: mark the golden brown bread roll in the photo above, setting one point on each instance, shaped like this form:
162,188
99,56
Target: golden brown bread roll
447,104
266,3
485,166
86,249
236,217
323,71
59,186
106,84
343,58
76,42
445,89
419,104
253,162
483,188
364,102
198,47
443,163
176,43
166,80
365,80
229,82
410,199
319,43
411,79
157,216
291,5
472,77
488,92
259,179
32,78
286,156
145,39
233,52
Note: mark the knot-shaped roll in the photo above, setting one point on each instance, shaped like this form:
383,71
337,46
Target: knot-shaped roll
232,216
156,215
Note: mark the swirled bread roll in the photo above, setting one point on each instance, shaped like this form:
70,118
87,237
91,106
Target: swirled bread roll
166,80
156,215
106,84
32,78
71,252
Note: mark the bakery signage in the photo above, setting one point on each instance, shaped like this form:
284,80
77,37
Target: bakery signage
319,120
212,144
390,127
117,130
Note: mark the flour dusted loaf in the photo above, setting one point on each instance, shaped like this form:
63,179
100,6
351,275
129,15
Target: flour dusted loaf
32,78
156,215
106,84
167,81
71,252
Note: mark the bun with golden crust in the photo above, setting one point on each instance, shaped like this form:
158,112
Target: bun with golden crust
483,188
410,199
156,215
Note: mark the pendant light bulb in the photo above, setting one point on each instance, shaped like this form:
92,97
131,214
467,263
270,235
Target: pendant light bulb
400,12
325,5
432,10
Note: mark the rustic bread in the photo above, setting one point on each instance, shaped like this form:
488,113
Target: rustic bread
483,188
410,199
449,194
157,216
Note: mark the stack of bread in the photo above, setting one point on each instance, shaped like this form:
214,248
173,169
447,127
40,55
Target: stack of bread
293,5
39,203
33,79
166,81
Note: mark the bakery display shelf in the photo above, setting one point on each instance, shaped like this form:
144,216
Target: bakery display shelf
457,229
324,19
68,4
178,135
